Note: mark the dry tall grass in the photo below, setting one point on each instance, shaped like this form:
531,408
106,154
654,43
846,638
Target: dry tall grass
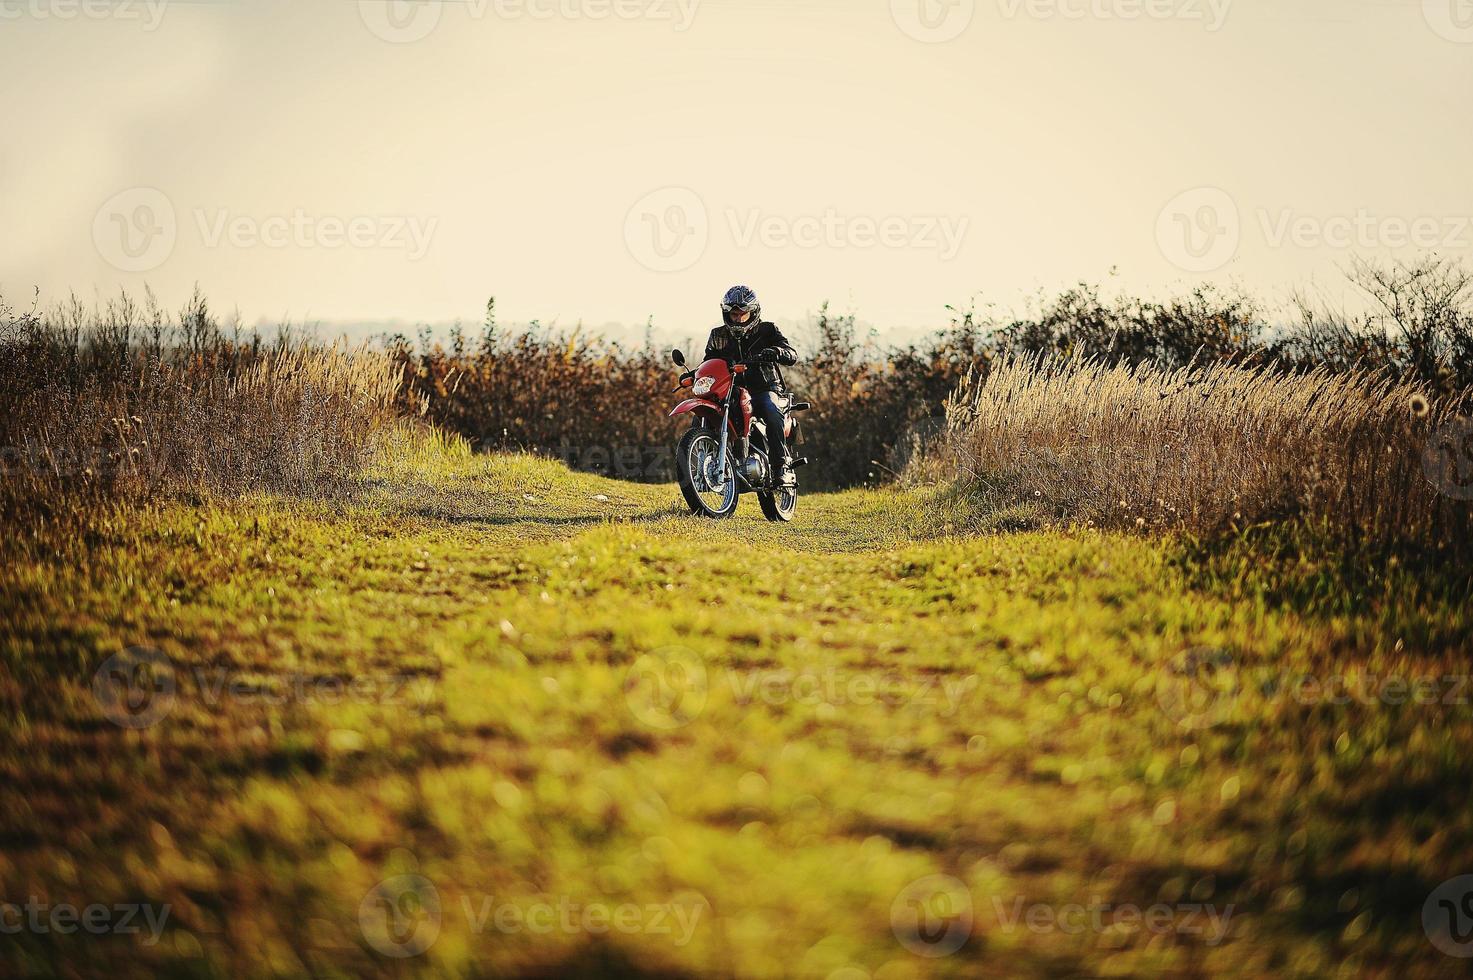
1205,450
605,408
94,412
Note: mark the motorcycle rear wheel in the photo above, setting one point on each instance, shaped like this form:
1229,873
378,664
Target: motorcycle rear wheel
779,505
708,485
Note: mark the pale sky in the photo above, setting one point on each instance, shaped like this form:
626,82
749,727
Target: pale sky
611,160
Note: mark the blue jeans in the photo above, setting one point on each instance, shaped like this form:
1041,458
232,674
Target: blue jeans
766,406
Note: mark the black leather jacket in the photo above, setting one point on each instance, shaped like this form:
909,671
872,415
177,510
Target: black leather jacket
764,336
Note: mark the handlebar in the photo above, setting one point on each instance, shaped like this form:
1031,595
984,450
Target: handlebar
735,367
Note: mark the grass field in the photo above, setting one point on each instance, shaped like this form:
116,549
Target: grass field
495,718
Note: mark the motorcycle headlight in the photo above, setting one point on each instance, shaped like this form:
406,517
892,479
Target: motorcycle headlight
703,386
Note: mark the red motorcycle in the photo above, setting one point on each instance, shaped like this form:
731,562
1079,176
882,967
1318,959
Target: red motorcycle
724,454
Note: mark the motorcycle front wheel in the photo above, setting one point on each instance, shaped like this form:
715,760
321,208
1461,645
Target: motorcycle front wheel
707,480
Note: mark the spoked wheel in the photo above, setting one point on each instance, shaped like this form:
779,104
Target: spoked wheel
706,479
780,504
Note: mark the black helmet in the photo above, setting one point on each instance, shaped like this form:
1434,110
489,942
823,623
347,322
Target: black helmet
740,310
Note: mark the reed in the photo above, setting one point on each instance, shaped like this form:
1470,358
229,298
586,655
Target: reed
1211,450
98,410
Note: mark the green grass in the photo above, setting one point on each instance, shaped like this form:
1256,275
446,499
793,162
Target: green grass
755,737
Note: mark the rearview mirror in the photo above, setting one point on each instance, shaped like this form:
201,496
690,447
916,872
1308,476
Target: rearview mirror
678,357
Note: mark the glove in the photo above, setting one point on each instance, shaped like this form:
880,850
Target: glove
768,356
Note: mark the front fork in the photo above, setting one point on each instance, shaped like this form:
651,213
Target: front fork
743,444
724,444
725,434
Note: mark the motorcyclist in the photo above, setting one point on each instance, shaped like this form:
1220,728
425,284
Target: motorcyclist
745,336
